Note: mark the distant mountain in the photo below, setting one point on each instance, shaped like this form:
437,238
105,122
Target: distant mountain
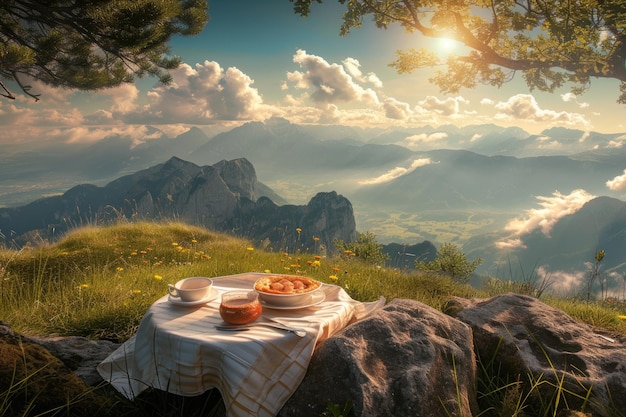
403,256
224,197
566,253
278,148
575,239
461,180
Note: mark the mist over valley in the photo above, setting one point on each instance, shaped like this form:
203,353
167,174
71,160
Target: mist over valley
498,193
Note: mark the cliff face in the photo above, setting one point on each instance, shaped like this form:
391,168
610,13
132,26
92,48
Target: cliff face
225,197
328,216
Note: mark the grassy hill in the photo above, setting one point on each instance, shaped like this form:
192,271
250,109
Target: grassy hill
99,281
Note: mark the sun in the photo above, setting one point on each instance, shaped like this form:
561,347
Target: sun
447,45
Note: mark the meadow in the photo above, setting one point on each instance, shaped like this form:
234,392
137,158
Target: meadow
98,281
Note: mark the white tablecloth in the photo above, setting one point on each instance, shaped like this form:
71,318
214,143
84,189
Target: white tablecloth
177,349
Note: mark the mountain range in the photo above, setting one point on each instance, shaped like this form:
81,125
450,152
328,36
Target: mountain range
437,184
225,197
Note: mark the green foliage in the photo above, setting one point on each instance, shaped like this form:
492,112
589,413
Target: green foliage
450,261
334,410
90,45
551,43
365,248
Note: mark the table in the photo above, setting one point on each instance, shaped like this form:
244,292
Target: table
177,349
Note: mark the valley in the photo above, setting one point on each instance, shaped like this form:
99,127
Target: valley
463,191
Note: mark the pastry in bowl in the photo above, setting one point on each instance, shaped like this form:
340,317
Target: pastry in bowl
286,290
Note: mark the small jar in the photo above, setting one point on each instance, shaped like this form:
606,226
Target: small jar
240,307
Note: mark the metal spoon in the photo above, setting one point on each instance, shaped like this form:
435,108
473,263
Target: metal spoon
298,331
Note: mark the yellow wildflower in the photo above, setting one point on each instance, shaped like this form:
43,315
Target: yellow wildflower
119,269
333,277
250,249
194,241
174,244
317,263
136,291
158,277
299,230
267,271
621,317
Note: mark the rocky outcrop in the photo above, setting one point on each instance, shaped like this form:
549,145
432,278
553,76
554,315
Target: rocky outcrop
546,348
225,197
523,355
327,217
406,359
33,381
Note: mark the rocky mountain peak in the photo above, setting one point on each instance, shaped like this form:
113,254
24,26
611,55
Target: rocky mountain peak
222,197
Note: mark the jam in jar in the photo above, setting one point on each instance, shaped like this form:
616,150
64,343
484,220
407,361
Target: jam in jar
240,307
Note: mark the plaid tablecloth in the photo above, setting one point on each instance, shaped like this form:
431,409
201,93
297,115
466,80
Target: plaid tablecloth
177,349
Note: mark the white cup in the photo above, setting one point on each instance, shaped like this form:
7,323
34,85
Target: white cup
191,289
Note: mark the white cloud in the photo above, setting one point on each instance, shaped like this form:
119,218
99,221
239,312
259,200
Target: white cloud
419,140
202,94
447,107
617,142
397,172
563,283
330,83
353,67
618,183
568,97
552,209
395,109
124,97
525,107
510,243
571,97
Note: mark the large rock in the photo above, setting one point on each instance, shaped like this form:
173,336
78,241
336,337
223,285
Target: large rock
406,359
33,381
547,349
79,354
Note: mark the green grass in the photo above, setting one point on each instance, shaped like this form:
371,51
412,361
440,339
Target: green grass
99,281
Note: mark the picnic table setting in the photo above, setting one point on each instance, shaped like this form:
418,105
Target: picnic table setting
249,335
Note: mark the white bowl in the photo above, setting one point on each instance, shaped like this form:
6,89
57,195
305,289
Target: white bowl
278,298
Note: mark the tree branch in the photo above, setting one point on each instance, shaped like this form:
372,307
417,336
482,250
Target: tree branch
7,93
25,88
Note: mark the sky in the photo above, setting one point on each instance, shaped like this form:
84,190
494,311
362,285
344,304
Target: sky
258,59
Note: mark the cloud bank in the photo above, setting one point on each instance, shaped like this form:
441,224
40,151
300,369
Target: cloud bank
552,209
396,172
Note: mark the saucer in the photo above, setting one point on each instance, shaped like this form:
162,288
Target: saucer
177,301
316,298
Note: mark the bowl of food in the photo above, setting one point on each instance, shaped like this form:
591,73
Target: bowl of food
286,290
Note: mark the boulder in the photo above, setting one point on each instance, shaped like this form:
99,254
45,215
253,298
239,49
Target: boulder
545,348
79,354
406,359
33,381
